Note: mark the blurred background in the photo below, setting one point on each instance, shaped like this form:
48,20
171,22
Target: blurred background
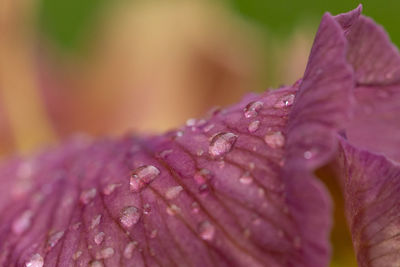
107,67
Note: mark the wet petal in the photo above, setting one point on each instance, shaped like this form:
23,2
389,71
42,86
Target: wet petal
209,194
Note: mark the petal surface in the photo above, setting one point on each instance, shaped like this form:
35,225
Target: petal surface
370,144
212,193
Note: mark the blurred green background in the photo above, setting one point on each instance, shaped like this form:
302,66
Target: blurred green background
69,23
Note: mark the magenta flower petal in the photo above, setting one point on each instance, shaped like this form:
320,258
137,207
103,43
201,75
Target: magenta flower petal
371,187
370,148
213,193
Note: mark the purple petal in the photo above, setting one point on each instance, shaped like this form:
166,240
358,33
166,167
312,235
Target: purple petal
370,180
371,190
212,193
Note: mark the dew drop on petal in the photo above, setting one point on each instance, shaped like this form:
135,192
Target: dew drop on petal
105,253
206,230
76,255
285,101
204,188
173,210
253,126
95,221
35,261
98,238
22,223
246,178
221,144
163,154
153,233
130,247
173,192
88,195
143,176
54,238
200,152
195,207
146,208
178,134
202,176
208,128
96,264
129,216
76,226
251,110
109,189
274,139
191,122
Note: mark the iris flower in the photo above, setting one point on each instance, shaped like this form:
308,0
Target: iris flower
235,188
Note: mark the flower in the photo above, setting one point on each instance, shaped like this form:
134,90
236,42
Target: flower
235,188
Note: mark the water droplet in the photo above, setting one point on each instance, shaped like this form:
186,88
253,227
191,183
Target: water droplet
221,144
35,261
179,134
173,210
251,110
109,189
208,128
246,178
95,221
129,216
206,230
308,154
98,238
76,255
153,234
105,253
23,222
195,207
191,122
96,264
163,154
88,195
214,111
274,139
146,208
76,226
204,188
285,101
130,247
202,176
311,153
252,165
54,238
173,192
253,126
143,176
